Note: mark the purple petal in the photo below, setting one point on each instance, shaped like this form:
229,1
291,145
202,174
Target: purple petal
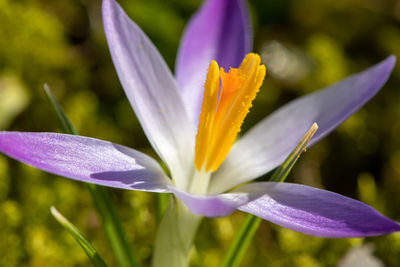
219,31
316,212
267,144
151,90
211,205
86,159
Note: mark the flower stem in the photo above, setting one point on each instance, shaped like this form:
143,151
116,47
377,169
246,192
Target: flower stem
161,205
175,235
247,230
111,223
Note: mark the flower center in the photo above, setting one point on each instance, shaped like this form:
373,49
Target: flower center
226,101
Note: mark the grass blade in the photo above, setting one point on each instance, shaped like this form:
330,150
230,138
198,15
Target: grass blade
241,240
111,223
86,246
65,125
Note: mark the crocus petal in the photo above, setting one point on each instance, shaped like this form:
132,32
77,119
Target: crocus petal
211,205
151,90
315,212
220,30
267,144
86,159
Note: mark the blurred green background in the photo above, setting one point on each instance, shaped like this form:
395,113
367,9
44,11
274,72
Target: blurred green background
306,45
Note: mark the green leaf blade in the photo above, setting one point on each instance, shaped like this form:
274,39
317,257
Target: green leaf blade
86,246
101,198
241,240
65,124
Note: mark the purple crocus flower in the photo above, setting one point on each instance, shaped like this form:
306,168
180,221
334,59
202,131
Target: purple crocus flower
168,110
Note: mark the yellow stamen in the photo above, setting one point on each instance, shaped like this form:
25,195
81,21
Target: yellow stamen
224,109
207,114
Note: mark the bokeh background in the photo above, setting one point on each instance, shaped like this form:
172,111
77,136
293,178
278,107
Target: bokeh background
306,45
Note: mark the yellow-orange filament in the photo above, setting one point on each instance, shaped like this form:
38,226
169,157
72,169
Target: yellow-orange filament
224,109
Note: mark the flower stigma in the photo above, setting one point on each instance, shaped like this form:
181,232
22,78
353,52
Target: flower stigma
227,99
